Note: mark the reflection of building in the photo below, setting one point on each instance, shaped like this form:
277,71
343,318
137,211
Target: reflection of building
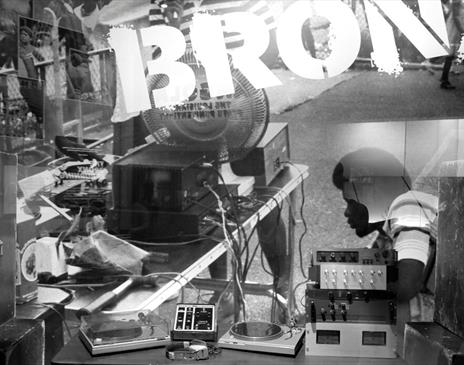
16,116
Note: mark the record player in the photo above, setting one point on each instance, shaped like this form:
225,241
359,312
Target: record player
105,333
263,337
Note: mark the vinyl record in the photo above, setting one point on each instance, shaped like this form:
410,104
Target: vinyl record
256,331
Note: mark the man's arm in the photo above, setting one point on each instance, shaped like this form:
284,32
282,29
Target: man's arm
410,275
413,252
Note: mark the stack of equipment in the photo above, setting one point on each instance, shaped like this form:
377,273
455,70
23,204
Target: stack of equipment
349,310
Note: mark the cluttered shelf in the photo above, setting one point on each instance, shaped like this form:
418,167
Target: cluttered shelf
188,260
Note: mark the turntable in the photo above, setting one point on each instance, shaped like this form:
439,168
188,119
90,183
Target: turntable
263,337
105,333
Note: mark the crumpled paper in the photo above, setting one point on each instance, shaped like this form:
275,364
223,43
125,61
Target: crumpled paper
103,251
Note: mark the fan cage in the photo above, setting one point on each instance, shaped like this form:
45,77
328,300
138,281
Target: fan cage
230,125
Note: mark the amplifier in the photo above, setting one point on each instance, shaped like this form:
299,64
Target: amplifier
343,306
371,340
362,256
267,159
159,177
168,226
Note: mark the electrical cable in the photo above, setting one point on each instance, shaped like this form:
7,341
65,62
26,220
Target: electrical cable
237,259
52,307
240,229
294,292
153,244
305,225
247,267
166,275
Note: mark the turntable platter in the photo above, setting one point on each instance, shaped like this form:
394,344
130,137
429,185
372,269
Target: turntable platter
256,331
263,337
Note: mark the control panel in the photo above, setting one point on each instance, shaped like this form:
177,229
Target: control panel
349,306
347,276
349,309
361,256
195,322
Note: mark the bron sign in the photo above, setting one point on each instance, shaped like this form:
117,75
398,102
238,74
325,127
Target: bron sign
426,32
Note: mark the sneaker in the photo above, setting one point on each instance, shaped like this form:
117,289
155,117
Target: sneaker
447,85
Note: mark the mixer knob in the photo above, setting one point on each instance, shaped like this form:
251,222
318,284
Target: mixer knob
343,311
332,312
331,297
313,312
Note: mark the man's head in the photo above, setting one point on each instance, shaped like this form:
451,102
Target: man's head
25,34
370,179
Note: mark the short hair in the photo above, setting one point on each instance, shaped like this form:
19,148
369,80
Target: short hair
372,177
368,162
27,30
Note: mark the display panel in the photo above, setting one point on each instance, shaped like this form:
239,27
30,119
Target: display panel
374,338
327,337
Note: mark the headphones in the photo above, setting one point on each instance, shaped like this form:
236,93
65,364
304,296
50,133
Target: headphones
187,350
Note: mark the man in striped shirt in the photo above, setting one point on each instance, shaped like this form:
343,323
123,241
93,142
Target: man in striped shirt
379,198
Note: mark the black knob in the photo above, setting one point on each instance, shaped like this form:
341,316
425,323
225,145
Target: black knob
343,311
332,312
332,256
313,312
349,297
392,312
331,297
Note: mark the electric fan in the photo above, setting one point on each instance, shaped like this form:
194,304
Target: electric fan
227,127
